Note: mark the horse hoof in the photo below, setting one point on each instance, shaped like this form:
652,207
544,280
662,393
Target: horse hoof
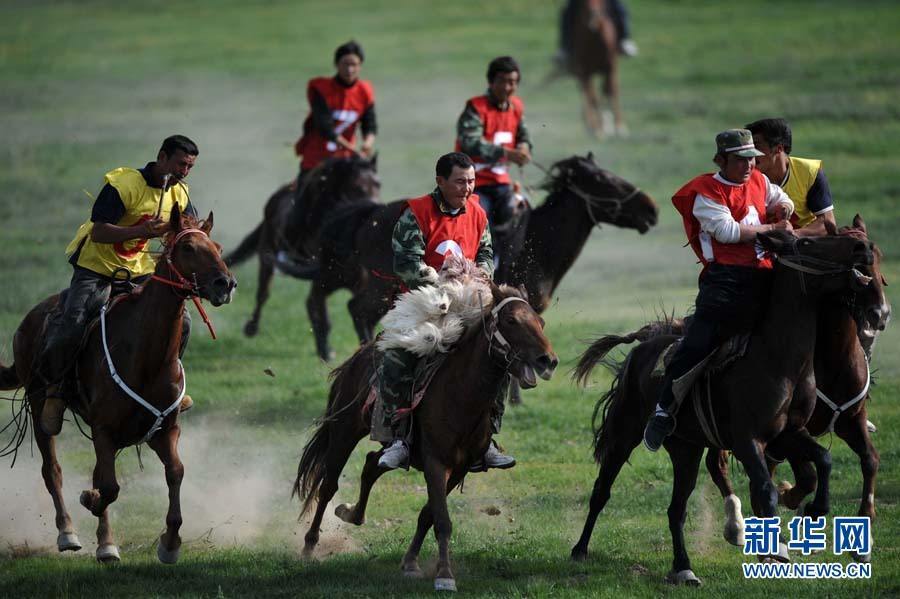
734,523
734,535
108,554
683,577
307,553
251,328
445,584
782,556
88,498
345,511
166,556
862,558
578,555
68,541
413,571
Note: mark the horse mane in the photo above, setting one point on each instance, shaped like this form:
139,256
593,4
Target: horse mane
324,185
557,178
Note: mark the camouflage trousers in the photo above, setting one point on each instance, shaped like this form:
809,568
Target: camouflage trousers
396,382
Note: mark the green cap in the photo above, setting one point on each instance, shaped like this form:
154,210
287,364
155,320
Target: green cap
737,141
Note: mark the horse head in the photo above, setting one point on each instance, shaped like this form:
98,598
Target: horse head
606,197
195,260
350,179
827,264
871,307
517,336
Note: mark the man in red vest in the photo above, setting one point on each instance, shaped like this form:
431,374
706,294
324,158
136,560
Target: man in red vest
448,220
492,131
722,214
337,105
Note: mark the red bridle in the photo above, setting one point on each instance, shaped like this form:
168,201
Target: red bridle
180,282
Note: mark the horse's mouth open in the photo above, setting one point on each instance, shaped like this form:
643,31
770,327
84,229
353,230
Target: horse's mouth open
528,375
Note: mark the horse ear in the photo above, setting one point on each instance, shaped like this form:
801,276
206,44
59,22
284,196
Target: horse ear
523,291
207,224
175,219
496,292
590,155
771,241
859,223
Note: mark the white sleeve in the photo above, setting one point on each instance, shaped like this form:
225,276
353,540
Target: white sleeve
776,195
716,219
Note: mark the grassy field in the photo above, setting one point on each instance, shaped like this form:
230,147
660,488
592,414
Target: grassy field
89,86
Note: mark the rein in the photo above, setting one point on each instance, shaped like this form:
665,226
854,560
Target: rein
182,283
590,200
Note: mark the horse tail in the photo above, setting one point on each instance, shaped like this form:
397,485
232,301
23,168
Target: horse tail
247,248
313,466
9,378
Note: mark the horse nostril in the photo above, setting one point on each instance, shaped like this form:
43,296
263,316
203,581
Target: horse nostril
877,316
546,363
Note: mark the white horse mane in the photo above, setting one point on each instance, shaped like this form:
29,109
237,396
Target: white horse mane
432,318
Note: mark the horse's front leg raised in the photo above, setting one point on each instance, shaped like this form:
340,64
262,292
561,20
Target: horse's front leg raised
318,318
165,444
105,492
356,514
764,496
66,540
799,446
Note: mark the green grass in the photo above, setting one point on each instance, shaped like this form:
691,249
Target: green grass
89,86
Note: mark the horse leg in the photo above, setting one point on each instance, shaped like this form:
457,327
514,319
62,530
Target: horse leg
166,447
791,496
340,448
105,492
318,317
612,463
67,539
365,310
685,464
764,496
356,514
611,91
856,434
717,465
590,108
801,447
410,564
263,288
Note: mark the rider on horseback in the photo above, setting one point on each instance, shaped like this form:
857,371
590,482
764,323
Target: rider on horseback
337,104
722,215
448,220
133,206
491,131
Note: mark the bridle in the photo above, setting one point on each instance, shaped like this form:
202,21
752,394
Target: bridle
810,265
498,347
179,281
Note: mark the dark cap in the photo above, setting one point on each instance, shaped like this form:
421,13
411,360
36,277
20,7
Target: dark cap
737,141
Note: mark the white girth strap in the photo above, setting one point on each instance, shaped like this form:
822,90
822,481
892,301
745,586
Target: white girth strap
495,311
160,416
838,410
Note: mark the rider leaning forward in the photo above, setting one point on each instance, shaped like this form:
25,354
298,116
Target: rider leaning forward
337,104
448,220
723,213
491,131
110,245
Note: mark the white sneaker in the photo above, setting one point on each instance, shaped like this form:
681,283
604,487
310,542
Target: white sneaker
628,47
395,456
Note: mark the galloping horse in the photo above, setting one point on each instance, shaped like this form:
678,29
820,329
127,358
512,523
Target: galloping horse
842,386
130,379
595,51
451,426
335,182
581,196
769,392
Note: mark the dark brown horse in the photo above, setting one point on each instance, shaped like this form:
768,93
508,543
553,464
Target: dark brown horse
842,380
335,182
143,333
767,393
356,253
451,426
595,51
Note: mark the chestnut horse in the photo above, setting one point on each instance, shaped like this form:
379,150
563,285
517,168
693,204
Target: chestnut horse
333,183
768,392
451,426
143,332
842,380
581,196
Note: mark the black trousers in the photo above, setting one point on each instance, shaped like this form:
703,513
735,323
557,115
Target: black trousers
731,300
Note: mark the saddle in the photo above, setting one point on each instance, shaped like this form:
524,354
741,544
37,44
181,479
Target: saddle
695,384
425,371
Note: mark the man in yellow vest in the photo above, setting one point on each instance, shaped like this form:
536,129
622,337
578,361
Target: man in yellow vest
110,245
801,178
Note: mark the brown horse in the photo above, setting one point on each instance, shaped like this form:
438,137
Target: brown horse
334,182
595,51
581,196
842,379
767,393
451,427
143,332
